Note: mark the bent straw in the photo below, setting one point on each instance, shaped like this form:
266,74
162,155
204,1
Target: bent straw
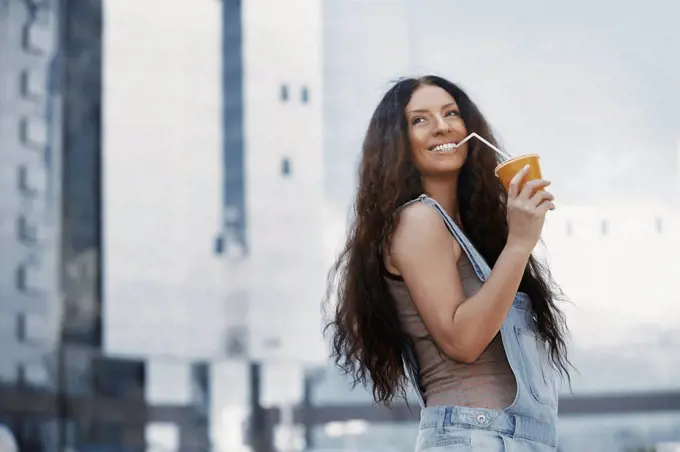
473,134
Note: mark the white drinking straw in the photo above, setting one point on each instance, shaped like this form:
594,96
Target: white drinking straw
504,154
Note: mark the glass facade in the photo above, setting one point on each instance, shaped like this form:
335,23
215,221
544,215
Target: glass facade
29,218
29,183
234,239
57,388
80,68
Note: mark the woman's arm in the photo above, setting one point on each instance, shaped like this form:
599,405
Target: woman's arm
426,255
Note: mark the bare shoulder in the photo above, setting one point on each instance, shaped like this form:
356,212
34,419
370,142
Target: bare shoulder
418,218
419,228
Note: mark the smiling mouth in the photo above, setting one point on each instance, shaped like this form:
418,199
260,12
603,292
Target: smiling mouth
446,147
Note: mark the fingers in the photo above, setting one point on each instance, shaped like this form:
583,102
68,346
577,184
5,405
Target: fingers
516,182
532,187
546,206
538,204
518,189
541,197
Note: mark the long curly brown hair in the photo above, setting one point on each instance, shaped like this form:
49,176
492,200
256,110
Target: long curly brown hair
367,336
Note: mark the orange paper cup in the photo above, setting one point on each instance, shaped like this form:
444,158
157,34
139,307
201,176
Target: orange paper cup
508,169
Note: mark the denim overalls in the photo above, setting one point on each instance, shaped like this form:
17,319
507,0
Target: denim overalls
529,424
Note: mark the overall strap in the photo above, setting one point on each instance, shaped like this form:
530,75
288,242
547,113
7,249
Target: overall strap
481,268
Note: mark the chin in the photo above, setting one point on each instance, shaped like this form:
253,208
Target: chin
442,170
450,163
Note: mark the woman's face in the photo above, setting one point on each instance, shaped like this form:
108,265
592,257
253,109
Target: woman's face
434,126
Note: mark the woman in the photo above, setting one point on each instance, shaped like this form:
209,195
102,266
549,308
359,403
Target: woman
437,283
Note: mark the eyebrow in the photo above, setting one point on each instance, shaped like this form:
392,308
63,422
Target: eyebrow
452,104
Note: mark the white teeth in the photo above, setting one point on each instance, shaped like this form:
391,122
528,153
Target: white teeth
448,147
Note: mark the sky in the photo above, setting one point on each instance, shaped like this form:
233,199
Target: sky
592,88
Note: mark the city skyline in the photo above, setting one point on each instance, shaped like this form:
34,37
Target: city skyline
197,189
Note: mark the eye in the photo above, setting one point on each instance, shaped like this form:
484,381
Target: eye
417,120
453,113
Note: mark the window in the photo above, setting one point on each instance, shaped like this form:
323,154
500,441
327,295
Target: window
285,167
37,38
33,84
21,277
123,379
284,93
168,382
20,327
31,181
24,184
31,328
78,364
218,247
30,277
42,14
34,375
235,342
200,388
304,95
162,436
33,133
27,230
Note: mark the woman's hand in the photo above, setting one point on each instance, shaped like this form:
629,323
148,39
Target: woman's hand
527,206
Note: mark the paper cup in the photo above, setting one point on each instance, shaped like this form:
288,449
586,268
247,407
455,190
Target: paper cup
508,169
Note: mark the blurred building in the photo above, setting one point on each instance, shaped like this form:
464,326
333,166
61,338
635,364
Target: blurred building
615,264
163,204
175,184
213,181
58,388
284,174
127,126
31,190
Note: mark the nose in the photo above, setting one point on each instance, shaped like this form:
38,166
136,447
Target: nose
441,126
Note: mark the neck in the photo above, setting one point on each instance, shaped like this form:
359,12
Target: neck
445,192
